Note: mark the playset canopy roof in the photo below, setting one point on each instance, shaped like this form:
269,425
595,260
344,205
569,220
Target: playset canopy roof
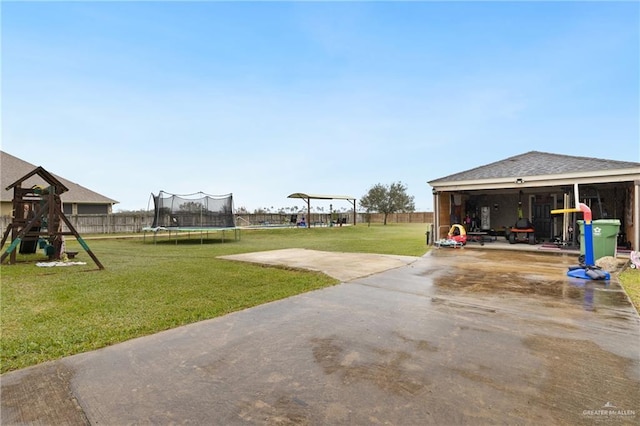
48,177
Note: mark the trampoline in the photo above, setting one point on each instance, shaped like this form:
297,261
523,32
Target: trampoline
192,213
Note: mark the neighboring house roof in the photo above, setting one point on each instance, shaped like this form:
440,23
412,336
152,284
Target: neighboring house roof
538,166
13,169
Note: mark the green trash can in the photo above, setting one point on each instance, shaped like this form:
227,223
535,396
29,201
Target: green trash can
605,237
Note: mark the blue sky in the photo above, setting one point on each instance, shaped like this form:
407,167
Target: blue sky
264,99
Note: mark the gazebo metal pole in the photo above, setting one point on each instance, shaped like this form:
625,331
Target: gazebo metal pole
354,212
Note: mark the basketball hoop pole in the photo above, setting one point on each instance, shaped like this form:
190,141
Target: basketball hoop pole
588,230
588,269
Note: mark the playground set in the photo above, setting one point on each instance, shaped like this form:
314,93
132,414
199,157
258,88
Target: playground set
38,218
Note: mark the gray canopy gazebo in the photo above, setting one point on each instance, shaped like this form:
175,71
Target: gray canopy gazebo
309,197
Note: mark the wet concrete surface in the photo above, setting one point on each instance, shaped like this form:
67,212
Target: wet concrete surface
455,337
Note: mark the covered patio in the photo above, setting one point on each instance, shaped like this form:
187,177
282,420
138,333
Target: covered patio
308,197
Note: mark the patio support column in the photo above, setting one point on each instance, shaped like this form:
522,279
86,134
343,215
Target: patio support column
636,215
436,216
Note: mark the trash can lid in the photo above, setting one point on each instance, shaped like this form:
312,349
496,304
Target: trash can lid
607,221
602,221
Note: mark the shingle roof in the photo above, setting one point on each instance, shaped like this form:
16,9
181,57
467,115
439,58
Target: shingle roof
536,163
12,169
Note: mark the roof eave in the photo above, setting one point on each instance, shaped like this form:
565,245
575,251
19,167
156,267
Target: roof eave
601,176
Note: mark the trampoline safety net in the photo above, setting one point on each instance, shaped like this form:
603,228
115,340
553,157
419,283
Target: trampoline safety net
198,210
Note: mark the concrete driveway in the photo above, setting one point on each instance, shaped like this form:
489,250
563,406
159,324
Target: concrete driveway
454,337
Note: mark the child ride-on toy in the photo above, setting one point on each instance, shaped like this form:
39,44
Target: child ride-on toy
457,237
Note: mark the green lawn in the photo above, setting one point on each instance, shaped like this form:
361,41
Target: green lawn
48,313
630,281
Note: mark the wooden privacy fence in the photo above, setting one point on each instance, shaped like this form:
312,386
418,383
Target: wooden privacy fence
416,217
101,223
123,223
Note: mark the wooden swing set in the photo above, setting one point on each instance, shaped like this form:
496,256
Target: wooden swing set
38,218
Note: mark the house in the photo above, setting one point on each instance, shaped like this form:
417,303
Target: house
534,184
77,200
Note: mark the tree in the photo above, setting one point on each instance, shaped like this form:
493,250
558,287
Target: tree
388,199
191,207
